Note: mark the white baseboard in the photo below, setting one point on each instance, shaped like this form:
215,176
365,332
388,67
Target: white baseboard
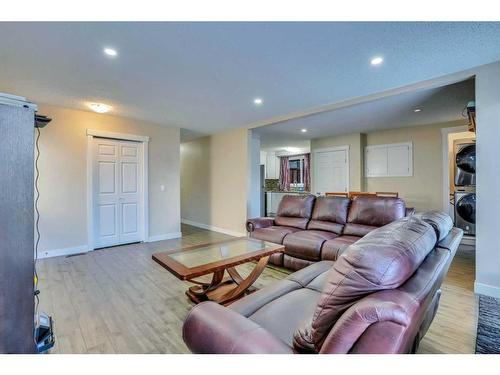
487,290
63,252
166,236
213,228
84,248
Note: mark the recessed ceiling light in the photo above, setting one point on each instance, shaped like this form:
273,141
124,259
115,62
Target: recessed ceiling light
100,107
110,52
417,110
258,101
377,60
303,130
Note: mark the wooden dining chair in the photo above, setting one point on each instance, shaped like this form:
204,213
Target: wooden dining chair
339,194
387,194
353,194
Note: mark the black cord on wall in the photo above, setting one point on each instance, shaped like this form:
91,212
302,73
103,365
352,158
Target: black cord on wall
37,228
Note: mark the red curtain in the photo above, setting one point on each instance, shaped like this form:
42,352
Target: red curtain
284,174
307,172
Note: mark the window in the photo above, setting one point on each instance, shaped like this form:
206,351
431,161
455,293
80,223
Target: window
296,167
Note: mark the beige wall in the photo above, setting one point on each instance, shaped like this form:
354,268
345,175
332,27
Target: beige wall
63,175
214,180
355,142
424,190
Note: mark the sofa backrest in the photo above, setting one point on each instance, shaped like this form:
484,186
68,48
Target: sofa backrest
329,214
395,320
384,259
368,213
295,211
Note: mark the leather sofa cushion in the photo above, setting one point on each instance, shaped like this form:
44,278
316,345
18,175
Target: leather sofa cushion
440,221
276,259
306,275
295,211
293,222
332,249
300,279
330,214
383,259
368,213
295,264
375,211
306,244
358,230
284,314
294,297
296,304
274,234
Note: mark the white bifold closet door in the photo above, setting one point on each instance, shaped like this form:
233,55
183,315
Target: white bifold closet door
117,169
330,171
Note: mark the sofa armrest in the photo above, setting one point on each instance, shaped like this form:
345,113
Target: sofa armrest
214,329
374,324
259,222
409,211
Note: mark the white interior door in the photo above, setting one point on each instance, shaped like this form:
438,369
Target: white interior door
331,171
117,169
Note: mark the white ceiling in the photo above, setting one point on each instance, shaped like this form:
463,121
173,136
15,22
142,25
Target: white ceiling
204,76
437,105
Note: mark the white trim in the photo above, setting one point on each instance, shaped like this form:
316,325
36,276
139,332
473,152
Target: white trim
213,228
166,236
63,252
388,146
121,136
487,290
447,207
145,177
90,221
347,150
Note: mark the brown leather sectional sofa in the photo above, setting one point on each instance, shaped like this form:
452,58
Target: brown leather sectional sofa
320,228
379,296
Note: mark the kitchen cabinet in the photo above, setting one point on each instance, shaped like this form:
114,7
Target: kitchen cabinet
272,165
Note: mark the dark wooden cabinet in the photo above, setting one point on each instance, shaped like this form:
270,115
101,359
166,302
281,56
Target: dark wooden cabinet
16,229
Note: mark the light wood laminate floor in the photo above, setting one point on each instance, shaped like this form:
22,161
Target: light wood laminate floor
117,300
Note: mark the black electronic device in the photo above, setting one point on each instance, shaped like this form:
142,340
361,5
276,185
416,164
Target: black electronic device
41,121
44,333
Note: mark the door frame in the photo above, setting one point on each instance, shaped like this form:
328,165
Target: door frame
345,148
91,134
445,132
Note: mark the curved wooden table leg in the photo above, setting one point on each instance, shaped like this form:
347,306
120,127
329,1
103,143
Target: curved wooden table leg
198,293
235,275
244,284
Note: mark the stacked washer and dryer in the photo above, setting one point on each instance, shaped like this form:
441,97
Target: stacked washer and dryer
465,186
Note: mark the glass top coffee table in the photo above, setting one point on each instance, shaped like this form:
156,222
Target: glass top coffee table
217,259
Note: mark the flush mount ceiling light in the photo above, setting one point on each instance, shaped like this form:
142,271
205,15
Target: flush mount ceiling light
417,110
100,107
258,101
377,60
110,52
303,130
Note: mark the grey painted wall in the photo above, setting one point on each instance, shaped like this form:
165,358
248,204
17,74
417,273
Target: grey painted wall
488,180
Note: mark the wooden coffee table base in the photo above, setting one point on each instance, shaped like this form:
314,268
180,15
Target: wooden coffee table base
225,290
